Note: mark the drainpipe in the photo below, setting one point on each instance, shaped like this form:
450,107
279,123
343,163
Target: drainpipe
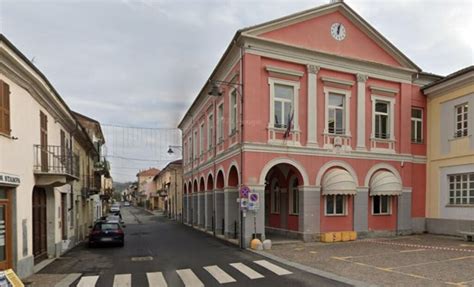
241,75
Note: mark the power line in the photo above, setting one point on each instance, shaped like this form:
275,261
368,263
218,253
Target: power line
137,127
138,159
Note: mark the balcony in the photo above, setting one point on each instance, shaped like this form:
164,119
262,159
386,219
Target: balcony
102,166
91,185
54,165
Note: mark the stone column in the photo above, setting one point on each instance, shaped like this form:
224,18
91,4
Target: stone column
255,219
206,207
361,79
309,219
231,216
202,209
312,124
219,210
361,208
195,208
404,220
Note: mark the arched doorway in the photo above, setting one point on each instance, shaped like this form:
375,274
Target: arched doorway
40,238
195,203
282,200
201,203
232,210
219,203
210,203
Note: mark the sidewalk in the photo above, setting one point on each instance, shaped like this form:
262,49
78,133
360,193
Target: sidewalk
418,260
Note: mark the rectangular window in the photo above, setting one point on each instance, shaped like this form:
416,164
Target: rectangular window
382,120
283,105
233,112
201,139
335,204
220,123
336,111
275,197
4,108
210,130
190,151
195,155
461,189
416,125
381,204
461,128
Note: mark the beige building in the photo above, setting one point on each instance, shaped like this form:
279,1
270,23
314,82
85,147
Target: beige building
450,154
44,160
170,189
144,177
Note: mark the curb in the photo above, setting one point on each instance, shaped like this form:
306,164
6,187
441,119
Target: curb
312,270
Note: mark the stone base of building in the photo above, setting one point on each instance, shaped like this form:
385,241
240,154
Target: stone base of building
448,226
24,267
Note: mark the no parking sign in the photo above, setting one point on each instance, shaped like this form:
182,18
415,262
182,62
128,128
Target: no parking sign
254,201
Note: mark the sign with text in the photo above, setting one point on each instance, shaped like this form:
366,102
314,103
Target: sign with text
9,179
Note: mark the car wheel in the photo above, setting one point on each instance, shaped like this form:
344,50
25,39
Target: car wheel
91,245
122,244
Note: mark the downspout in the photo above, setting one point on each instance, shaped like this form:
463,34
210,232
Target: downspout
241,76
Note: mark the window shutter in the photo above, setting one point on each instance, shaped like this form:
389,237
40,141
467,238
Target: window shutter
6,108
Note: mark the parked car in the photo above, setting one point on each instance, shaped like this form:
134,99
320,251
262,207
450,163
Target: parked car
106,232
126,203
116,218
115,208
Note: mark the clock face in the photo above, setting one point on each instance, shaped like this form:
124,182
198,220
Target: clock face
338,31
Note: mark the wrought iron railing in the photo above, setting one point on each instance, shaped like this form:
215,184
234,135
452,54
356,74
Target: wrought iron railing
55,160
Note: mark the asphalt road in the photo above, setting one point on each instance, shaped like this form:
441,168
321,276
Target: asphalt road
174,253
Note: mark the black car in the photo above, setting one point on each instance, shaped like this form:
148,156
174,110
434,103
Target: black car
105,232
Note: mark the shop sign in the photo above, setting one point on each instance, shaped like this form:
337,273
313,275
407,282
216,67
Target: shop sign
9,179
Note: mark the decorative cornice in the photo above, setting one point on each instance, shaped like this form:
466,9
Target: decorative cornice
313,69
282,71
337,81
384,90
362,78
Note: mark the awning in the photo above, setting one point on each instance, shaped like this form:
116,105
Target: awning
385,183
338,181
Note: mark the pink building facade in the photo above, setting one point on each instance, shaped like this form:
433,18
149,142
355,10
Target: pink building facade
319,114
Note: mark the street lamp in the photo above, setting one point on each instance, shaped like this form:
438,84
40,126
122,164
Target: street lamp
171,147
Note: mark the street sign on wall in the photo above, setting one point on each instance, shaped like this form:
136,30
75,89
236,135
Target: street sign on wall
244,192
254,201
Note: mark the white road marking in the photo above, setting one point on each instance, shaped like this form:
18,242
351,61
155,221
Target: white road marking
68,280
123,280
156,279
88,281
247,271
189,278
272,267
220,275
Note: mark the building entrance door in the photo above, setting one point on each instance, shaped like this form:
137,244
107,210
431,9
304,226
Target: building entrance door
39,225
5,230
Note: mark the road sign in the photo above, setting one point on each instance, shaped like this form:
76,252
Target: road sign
244,191
244,202
254,201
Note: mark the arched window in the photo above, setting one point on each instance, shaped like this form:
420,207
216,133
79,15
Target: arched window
294,196
275,196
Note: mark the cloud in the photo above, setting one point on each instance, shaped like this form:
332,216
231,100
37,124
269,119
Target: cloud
142,62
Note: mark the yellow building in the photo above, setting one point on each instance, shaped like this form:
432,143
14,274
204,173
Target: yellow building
170,190
450,154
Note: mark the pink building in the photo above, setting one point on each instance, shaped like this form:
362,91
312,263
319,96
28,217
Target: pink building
322,116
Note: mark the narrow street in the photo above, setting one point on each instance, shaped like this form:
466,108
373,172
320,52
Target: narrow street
157,248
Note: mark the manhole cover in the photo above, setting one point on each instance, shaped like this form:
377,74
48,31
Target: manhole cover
142,258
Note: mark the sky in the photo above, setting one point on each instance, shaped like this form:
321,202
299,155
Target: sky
141,63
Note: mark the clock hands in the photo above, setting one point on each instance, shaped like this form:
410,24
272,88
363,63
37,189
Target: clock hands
338,28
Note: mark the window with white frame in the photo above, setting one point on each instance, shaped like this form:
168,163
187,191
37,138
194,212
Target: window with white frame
336,112
190,151
382,119
416,125
233,111
220,123
335,204
201,139
275,197
294,197
283,105
461,128
195,135
461,189
210,130
381,204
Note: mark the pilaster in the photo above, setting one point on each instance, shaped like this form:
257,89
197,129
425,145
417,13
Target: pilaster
361,80
309,219
312,105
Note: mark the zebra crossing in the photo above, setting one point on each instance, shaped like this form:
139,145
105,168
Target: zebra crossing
189,278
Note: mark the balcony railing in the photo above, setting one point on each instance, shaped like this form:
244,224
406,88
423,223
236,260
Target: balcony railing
91,182
102,166
55,160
